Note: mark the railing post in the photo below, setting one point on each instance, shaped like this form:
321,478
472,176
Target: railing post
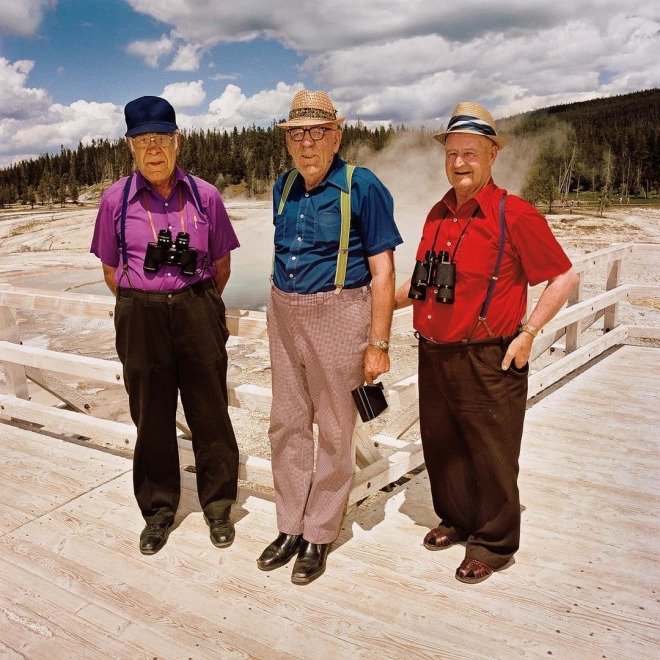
613,280
574,330
14,373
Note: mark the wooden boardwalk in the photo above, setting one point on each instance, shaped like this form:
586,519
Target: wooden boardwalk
585,583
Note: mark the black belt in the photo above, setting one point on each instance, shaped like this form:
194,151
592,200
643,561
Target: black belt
488,341
195,289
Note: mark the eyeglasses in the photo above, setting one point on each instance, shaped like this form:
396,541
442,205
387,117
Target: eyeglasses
160,139
316,133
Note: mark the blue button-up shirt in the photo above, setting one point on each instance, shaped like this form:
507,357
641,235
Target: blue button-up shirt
307,231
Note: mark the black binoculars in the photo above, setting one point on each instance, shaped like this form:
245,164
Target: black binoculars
163,251
436,270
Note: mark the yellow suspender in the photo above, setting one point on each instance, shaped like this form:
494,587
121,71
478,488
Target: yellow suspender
345,201
342,256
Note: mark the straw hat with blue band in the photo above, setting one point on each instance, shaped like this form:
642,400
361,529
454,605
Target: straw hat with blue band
472,118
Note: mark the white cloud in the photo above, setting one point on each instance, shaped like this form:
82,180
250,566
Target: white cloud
22,17
151,51
405,61
185,95
19,101
187,58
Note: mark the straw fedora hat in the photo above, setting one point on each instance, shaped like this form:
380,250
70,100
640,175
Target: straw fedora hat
311,109
470,117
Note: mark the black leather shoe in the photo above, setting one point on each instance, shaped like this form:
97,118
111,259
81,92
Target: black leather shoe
310,563
221,531
154,537
279,552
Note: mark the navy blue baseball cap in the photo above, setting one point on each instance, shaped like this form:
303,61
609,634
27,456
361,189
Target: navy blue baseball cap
149,114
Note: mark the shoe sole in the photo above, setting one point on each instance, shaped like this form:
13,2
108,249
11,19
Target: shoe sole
307,580
433,548
278,564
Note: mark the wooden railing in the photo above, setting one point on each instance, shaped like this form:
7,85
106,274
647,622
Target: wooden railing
381,458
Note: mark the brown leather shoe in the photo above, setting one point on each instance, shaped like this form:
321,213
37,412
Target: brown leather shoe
153,537
310,562
441,538
221,531
279,552
472,571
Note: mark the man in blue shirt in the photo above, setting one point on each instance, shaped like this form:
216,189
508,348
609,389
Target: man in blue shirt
328,331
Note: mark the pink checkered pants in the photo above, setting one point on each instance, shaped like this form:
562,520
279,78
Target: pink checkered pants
317,344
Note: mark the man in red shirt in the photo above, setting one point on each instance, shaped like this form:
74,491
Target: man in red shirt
469,291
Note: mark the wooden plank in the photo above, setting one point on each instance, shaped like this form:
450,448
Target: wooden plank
106,371
14,373
557,370
242,323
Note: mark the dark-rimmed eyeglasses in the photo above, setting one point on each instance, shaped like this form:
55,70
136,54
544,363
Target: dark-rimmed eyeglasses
316,133
160,139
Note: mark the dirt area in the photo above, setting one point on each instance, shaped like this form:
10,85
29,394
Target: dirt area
49,250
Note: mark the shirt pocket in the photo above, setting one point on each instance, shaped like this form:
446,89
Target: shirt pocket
477,258
327,228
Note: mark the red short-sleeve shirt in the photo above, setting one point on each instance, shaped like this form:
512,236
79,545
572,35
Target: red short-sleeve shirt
470,235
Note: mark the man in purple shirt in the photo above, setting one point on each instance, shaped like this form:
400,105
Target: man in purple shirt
164,240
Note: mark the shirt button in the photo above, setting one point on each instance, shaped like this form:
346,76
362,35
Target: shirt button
299,238
448,243
455,219
302,215
169,295
291,276
293,258
429,316
167,204
306,194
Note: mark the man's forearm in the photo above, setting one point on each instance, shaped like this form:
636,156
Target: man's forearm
553,298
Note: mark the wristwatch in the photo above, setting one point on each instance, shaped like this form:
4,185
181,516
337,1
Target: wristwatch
382,344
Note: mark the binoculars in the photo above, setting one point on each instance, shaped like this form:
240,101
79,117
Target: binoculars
437,270
177,253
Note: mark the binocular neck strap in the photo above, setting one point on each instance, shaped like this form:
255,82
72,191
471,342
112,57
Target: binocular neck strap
182,218
124,209
493,279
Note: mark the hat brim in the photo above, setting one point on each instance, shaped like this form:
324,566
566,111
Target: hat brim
500,142
152,127
308,121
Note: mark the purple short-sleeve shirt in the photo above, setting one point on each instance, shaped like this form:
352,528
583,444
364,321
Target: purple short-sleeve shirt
210,229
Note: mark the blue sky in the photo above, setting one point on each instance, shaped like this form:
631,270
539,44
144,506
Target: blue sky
67,67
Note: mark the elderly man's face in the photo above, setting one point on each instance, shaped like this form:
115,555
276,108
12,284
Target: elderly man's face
313,158
468,163
155,162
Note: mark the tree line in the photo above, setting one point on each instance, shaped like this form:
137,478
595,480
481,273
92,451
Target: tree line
253,157
606,147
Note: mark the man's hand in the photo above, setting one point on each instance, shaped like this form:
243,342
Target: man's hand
376,362
518,351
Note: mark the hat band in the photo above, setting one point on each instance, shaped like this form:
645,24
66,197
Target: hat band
462,123
312,113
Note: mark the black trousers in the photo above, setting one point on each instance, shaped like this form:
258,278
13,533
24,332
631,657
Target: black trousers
170,343
471,422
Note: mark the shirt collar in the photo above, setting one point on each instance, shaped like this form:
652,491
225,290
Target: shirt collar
477,203
336,175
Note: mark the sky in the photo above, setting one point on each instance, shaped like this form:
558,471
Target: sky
68,67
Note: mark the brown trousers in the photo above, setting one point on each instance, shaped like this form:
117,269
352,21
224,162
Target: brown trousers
471,422
317,344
